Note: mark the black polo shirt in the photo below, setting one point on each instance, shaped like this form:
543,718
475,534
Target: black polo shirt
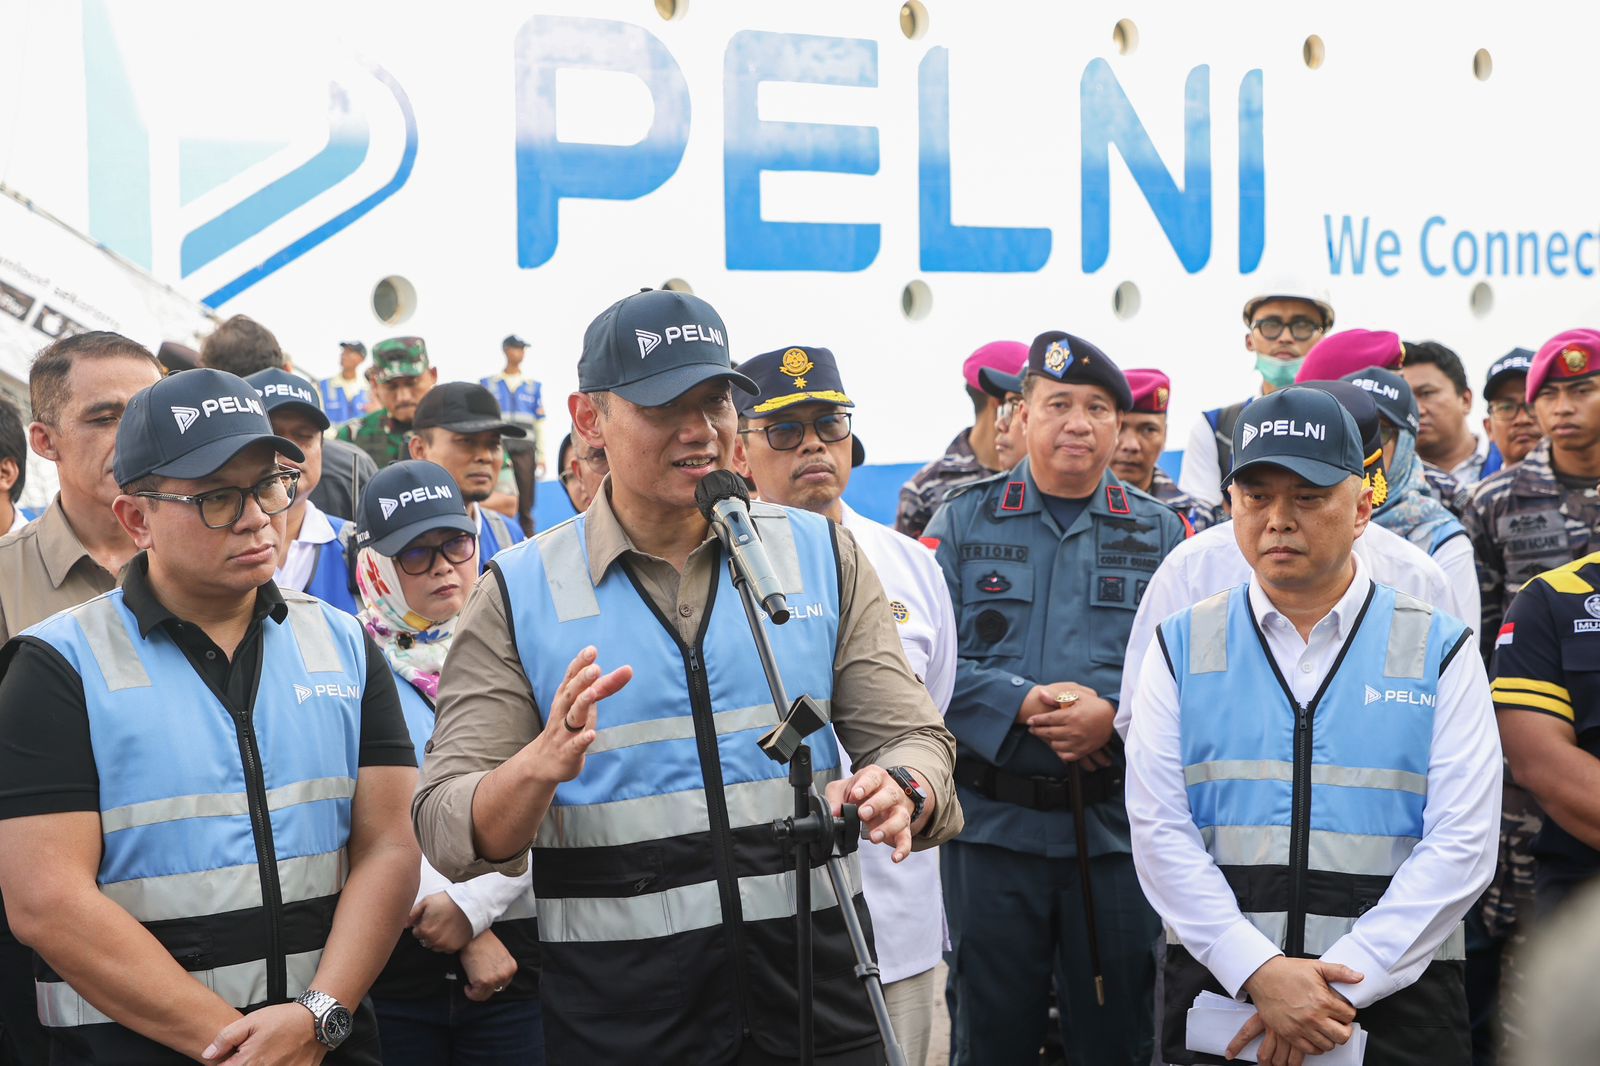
1547,660
46,759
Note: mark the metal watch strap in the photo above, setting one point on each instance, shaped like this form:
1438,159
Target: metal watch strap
319,1004
908,784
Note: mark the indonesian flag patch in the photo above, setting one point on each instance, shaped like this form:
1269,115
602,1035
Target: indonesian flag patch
1507,631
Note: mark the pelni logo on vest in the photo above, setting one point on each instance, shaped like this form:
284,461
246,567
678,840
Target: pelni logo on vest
1398,695
306,692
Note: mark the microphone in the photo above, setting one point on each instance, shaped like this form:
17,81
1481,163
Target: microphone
725,502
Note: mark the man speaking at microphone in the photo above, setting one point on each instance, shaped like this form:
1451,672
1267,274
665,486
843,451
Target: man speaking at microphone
665,901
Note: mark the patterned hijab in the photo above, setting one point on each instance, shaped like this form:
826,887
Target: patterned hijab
1413,509
415,646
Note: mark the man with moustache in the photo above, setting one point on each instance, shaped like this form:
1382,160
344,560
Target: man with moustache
1510,423
203,835
401,376
78,387
459,426
1045,565
1137,460
799,446
666,918
1312,773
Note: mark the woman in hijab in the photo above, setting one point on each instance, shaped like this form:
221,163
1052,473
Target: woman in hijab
1410,505
463,982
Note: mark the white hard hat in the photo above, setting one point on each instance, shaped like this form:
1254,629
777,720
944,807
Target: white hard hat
1288,289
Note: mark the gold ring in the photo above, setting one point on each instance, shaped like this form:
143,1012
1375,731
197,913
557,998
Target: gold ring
1066,699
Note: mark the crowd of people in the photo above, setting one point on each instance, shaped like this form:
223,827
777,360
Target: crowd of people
313,750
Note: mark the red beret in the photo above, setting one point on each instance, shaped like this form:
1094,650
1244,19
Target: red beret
1008,357
1345,353
1573,354
1151,391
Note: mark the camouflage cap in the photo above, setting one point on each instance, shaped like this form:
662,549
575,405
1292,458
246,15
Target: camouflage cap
399,357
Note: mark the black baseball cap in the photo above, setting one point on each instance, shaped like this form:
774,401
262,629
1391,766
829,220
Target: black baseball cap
1359,403
281,390
654,346
513,341
191,425
406,500
1518,361
1301,429
998,383
1392,393
463,407
1058,356
354,346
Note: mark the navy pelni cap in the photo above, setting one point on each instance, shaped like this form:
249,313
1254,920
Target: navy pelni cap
1516,362
191,425
654,346
1392,393
281,390
1303,430
404,501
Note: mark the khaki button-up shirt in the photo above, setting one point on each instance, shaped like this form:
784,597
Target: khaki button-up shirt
44,568
486,713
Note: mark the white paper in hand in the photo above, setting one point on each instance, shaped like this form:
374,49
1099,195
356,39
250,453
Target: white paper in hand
1215,1020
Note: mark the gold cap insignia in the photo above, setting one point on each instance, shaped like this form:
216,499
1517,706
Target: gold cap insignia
1576,360
796,364
1162,392
1055,359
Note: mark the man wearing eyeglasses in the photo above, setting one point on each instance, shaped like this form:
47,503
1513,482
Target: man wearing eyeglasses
1281,327
798,446
1511,425
314,555
583,469
203,836
1046,565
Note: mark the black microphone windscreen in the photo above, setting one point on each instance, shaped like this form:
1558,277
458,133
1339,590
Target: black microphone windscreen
717,486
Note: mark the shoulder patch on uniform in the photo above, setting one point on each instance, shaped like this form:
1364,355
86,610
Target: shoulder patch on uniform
1117,500
1016,492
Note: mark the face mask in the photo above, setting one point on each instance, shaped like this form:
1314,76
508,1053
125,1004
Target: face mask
1278,372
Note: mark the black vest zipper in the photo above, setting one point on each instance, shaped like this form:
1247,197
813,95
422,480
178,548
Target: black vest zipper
1294,935
705,738
266,857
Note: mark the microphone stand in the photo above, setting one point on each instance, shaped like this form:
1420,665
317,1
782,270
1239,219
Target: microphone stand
811,826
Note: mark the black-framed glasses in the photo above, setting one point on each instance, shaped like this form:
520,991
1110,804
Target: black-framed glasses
419,560
221,508
1508,410
1007,411
1300,327
787,436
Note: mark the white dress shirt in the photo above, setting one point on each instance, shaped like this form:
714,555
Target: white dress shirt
484,899
905,900
1200,476
1211,561
1391,944
1460,567
301,562
18,520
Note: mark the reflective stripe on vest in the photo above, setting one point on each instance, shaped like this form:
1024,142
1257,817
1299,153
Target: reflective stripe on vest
60,1006
1372,740
178,838
644,781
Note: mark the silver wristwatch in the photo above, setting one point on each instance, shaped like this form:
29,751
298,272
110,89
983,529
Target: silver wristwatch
332,1017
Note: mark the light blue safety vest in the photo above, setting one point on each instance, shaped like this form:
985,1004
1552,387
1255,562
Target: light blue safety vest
1309,811
330,578
665,836
225,838
523,404
496,532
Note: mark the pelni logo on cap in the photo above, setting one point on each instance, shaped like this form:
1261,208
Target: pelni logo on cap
227,405
426,492
288,390
647,341
185,417
689,331
1378,387
1283,427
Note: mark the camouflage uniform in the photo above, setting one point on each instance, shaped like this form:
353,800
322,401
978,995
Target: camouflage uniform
377,434
922,495
1166,490
1452,493
378,437
1522,521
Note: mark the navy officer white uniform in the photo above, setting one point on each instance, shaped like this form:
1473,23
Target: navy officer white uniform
798,444
205,777
1313,772
1045,564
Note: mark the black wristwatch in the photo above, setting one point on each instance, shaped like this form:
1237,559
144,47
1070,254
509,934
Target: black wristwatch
908,784
332,1017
